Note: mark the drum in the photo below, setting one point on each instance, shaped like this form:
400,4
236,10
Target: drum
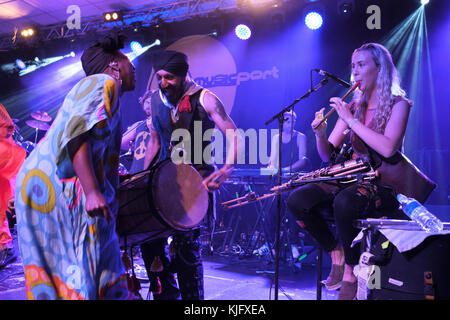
122,170
157,202
28,146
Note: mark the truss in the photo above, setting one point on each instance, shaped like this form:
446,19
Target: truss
147,16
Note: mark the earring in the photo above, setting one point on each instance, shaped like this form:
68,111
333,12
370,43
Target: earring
116,71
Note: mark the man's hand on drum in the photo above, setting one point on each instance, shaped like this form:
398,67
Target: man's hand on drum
96,205
215,179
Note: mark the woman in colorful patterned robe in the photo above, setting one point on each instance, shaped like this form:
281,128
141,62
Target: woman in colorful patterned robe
66,200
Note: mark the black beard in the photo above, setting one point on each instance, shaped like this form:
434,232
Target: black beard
173,99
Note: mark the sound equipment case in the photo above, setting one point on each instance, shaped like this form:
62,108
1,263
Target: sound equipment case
420,273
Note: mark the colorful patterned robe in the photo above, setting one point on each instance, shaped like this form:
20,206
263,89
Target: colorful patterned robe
66,253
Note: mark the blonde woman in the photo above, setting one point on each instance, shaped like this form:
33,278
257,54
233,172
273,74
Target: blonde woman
377,118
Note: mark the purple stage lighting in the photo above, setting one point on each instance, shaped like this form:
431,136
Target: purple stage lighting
20,64
313,20
243,32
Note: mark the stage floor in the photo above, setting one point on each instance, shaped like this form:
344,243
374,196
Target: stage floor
226,277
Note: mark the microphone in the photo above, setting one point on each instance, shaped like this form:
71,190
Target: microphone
332,76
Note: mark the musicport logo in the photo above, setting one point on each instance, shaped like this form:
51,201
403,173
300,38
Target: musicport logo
236,79
213,153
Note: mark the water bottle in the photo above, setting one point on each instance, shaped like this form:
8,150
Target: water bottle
417,212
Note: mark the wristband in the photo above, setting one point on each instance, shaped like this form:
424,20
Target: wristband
352,122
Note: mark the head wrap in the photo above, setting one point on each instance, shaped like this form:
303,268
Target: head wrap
171,61
96,58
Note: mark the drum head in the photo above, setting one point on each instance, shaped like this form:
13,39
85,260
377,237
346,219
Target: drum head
179,195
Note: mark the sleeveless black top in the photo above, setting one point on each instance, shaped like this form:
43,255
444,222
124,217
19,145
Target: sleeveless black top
196,122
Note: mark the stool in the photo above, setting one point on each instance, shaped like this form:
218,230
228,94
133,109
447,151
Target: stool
319,282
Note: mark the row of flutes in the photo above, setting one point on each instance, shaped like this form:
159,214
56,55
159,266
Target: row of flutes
348,172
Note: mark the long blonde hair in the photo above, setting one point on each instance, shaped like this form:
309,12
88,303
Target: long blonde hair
387,86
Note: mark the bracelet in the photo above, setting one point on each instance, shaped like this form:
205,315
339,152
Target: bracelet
323,135
352,122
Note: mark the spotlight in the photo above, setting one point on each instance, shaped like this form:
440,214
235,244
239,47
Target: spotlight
157,42
216,29
135,46
345,8
313,20
112,16
29,32
243,32
424,2
20,64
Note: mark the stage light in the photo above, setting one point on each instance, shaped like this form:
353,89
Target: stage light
345,8
424,2
29,32
313,20
20,64
135,46
243,32
112,16
72,54
137,49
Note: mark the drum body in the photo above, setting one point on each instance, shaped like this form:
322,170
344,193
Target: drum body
28,146
122,170
155,203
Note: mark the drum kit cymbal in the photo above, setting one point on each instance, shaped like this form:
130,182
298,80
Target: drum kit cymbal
41,116
38,122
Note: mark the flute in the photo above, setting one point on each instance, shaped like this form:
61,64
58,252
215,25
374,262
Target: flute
329,113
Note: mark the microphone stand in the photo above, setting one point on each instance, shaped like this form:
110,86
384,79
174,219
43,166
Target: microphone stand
281,119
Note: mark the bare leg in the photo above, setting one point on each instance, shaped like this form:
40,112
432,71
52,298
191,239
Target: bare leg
337,256
348,274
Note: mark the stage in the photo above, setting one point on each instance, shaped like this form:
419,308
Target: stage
226,277
260,59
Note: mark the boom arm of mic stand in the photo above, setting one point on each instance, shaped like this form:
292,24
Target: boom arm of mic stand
323,82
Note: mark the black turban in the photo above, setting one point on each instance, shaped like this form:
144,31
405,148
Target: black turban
96,58
171,61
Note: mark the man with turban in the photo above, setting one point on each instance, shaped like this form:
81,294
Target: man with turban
66,200
180,103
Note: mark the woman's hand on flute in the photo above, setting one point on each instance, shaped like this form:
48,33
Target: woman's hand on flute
341,108
320,130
